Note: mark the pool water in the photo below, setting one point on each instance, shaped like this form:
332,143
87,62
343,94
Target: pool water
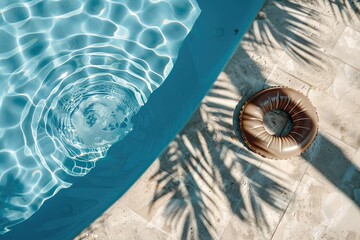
73,75
203,53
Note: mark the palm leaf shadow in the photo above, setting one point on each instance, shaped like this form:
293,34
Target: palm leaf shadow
198,167
286,24
198,171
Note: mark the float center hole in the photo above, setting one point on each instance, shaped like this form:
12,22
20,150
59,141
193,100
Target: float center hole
278,122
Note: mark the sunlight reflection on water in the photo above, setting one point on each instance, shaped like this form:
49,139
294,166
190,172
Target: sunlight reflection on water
73,73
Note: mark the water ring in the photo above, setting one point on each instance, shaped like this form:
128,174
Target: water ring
303,116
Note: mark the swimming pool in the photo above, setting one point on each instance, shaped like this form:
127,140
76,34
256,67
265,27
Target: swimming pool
202,55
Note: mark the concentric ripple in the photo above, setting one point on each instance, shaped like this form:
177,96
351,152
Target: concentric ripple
73,74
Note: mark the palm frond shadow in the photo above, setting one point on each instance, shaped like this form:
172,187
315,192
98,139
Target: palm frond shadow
207,166
347,9
290,25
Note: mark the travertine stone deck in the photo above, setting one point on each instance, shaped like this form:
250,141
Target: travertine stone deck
208,185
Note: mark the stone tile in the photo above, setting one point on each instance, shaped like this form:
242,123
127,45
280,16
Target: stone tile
212,156
195,212
309,64
213,175
224,95
318,30
281,78
244,76
269,191
229,178
151,191
119,222
288,172
355,21
335,116
339,10
319,211
347,48
171,161
324,30
313,149
306,55
346,85
269,35
306,50
217,109
283,19
239,229
336,163
265,55
355,16
186,196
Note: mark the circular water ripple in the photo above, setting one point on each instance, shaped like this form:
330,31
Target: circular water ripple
73,74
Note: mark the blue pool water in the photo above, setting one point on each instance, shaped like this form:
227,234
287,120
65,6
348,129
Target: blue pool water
73,75
65,107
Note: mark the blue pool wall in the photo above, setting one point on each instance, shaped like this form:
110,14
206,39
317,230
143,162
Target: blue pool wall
202,57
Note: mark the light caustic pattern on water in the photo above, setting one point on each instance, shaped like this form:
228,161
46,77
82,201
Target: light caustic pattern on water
72,75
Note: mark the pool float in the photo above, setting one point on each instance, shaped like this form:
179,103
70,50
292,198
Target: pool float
303,116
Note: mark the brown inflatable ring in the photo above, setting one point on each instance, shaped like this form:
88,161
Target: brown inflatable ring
301,111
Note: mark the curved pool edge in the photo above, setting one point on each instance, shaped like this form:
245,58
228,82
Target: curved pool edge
165,114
